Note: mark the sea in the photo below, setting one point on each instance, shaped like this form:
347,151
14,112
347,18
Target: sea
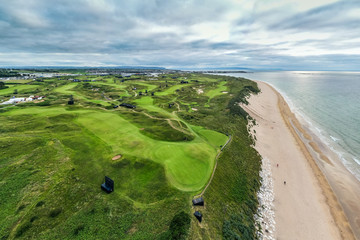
328,102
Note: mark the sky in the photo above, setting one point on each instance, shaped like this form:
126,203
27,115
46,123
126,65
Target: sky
182,34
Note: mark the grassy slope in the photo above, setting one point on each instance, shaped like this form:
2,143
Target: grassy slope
20,89
54,184
231,197
218,91
188,164
69,90
53,160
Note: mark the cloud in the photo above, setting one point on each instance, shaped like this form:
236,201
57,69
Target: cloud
181,34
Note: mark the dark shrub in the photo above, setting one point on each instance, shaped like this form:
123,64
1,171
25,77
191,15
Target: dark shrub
54,213
39,204
78,229
179,226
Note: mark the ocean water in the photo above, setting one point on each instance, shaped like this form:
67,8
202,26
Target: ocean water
329,102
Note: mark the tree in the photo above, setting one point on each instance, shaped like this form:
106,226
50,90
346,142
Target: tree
180,225
15,91
2,85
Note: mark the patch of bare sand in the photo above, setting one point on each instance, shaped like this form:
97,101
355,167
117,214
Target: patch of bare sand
306,207
116,157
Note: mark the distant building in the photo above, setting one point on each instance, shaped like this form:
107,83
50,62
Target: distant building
15,100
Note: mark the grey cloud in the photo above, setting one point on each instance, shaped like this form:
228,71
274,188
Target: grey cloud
333,16
158,32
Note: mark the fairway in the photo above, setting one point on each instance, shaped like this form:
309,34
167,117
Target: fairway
188,164
69,90
149,87
148,104
19,87
170,90
218,91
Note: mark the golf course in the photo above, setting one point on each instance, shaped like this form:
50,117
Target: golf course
161,139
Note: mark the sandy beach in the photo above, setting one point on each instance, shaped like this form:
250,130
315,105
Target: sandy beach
320,197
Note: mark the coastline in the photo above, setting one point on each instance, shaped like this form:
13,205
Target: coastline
307,206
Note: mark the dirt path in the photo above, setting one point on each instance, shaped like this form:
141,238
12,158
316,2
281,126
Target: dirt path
169,120
186,132
103,94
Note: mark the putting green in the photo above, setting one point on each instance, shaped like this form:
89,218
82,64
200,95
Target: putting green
214,138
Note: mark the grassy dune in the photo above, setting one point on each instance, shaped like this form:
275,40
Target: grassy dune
54,157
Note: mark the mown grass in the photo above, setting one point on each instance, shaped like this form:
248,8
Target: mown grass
188,164
54,158
20,88
218,91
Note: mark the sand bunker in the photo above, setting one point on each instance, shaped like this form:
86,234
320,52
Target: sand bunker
117,157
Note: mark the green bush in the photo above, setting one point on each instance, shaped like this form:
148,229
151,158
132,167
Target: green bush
22,229
2,85
55,212
179,226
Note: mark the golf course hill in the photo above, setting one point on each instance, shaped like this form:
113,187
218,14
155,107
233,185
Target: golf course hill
163,139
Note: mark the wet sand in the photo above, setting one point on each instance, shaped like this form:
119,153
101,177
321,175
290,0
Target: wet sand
320,198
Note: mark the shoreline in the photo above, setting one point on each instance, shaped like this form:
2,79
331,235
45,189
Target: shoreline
319,177
301,136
